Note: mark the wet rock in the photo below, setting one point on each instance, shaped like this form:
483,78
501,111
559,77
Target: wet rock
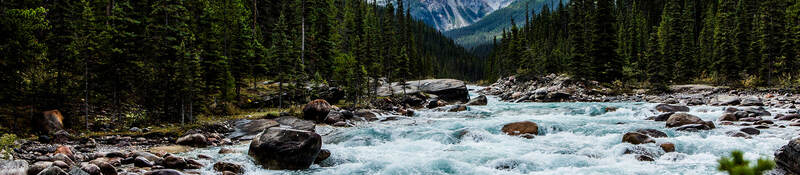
728,100
142,162
692,127
435,103
445,89
60,164
366,114
610,108
526,129
788,156
764,122
789,117
644,158
737,134
225,151
762,127
227,166
333,117
750,131
77,171
196,140
680,119
62,157
164,172
667,147
637,138
652,133
53,170
757,111
478,101
415,100
296,123
91,169
247,129
663,117
107,168
323,155
728,117
316,110
174,162
282,148
149,156
203,156
752,101
38,167
457,108
193,164
750,119
671,108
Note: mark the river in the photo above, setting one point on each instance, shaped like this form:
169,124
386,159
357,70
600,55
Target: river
574,138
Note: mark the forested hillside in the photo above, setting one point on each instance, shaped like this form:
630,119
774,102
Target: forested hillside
654,43
169,60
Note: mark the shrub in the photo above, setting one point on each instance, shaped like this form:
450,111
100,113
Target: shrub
7,145
736,165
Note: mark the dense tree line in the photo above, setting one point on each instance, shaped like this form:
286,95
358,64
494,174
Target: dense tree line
168,60
657,42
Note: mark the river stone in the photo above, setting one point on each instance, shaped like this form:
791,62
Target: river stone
38,167
478,101
316,110
789,117
663,117
227,166
53,170
671,108
323,154
680,119
693,127
296,123
652,133
728,117
788,156
164,172
457,108
60,164
525,129
285,149
750,131
142,162
752,101
62,157
197,140
174,162
667,147
247,129
91,169
333,117
637,138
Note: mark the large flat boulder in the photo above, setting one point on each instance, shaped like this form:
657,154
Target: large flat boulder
248,129
450,90
285,149
788,156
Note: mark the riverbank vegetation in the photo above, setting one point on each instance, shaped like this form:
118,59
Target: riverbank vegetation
655,43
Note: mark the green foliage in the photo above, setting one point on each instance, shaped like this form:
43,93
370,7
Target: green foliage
7,145
737,165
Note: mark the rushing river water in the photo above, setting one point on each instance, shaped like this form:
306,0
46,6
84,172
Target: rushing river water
574,138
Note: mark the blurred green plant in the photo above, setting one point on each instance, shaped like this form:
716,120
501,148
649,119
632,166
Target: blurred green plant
7,145
736,165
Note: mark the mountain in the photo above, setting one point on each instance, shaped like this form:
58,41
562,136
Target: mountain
484,30
446,15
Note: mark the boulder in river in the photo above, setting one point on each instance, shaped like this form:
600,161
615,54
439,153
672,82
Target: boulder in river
53,170
478,101
323,155
227,166
788,156
296,123
316,110
667,147
671,108
247,129
197,140
637,138
680,119
525,129
752,101
750,131
652,133
662,117
450,90
285,149
163,172
728,117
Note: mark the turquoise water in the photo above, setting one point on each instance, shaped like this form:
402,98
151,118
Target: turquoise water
575,138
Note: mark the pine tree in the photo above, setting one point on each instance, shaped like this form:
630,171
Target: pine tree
745,36
604,44
580,63
725,54
772,39
670,39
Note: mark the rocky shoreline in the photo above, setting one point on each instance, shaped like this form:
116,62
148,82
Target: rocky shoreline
290,143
